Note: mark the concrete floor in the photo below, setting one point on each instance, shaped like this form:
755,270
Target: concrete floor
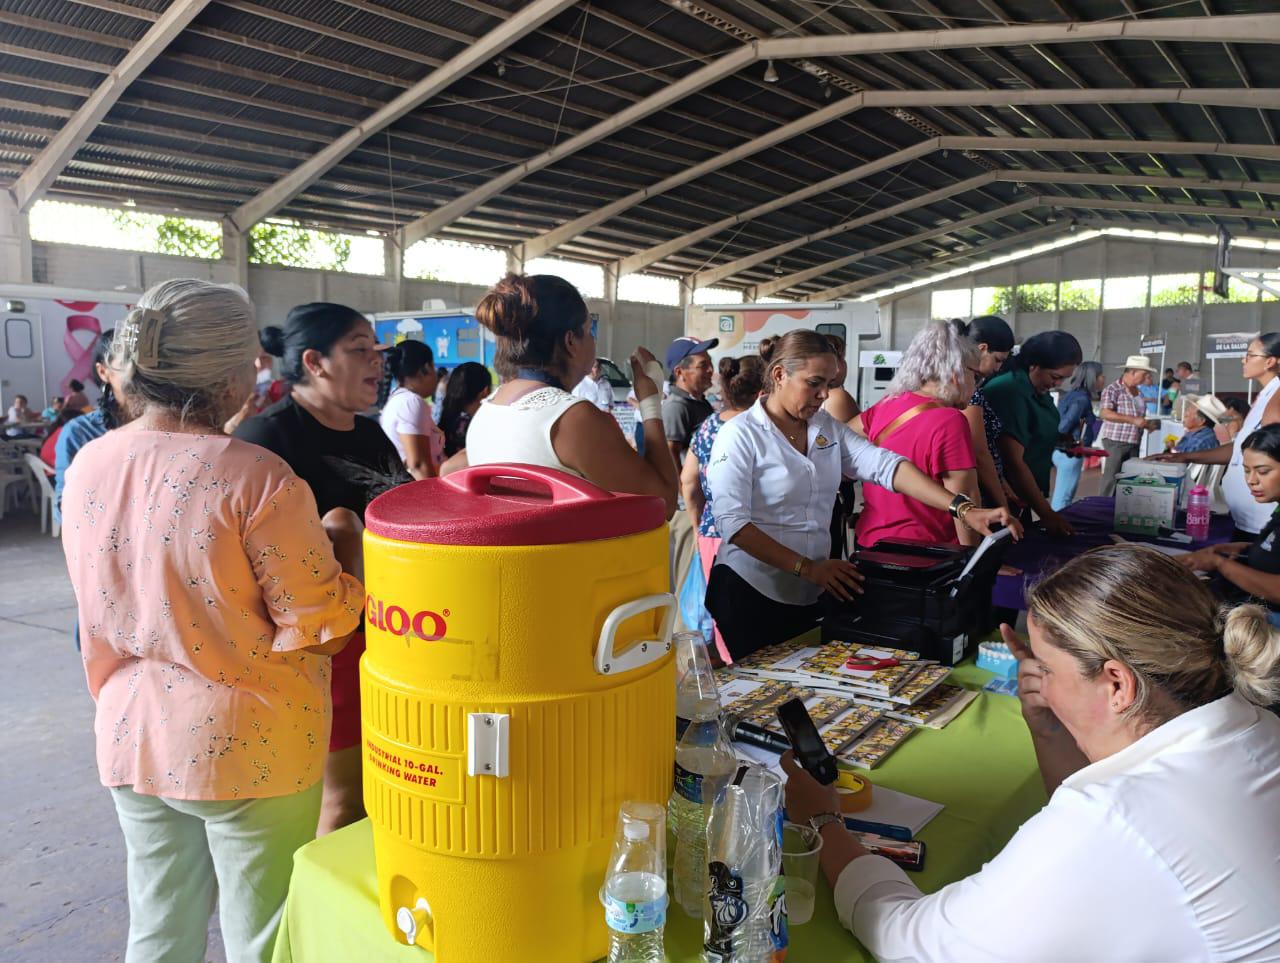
62,862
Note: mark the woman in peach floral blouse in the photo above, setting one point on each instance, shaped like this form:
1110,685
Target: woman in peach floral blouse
211,598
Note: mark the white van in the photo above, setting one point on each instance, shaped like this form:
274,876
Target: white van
740,327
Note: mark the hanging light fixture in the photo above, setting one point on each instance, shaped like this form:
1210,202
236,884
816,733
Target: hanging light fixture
777,268
826,89
770,73
502,67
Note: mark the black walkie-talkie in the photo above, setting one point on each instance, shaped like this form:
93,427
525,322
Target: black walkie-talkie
811,752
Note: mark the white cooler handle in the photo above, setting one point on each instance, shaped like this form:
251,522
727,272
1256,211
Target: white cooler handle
642,653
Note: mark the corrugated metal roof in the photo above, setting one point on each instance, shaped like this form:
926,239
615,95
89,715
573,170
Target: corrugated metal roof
254,87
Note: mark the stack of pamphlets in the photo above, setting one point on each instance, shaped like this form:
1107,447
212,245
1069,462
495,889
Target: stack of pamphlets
865,702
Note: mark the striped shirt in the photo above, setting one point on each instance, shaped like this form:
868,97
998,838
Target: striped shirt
1116,397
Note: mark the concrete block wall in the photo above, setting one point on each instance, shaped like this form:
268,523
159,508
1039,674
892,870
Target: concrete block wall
274,290
1104,335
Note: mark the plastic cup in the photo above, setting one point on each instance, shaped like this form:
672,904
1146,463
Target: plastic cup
801,847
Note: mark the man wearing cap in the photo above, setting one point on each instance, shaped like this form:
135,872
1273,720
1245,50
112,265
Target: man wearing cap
1123,413
1199,418
687,406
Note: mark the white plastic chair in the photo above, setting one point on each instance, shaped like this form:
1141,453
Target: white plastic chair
44,484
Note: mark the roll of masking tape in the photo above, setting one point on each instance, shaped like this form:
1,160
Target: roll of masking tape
854,791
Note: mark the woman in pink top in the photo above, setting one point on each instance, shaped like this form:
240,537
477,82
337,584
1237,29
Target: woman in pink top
210,600
921,419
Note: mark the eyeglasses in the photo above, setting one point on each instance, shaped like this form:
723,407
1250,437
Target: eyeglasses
1252,354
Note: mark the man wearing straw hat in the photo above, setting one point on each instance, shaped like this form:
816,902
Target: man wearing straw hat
1124,418
1199,418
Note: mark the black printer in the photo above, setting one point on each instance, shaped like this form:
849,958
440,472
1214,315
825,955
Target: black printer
927,598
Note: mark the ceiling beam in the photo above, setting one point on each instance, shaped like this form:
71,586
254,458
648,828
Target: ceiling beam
44,170
1027,237
808,274
703,279
720,272
1138,180
1248,28
494,42
1145,207
642,259
1228,96
1061,203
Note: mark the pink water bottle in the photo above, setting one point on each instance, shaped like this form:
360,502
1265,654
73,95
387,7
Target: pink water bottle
1198,513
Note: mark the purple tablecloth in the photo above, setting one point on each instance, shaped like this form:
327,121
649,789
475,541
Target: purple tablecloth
1038,554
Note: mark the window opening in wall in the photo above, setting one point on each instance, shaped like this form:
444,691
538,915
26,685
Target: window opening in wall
457,262
587,278
649,289
286,243
955,303
125,229
984,301
1128,292
1175,290
1238,292
1080,295
717,296
1040,296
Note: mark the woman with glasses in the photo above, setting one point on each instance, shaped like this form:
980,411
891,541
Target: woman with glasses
1261,363
920,418
546,345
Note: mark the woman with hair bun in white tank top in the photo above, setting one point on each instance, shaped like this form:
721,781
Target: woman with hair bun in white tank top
546,342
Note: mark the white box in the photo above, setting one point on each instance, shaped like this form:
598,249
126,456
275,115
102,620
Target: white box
1145,505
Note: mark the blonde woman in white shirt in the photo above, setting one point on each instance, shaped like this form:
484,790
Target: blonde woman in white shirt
775,471
1160,840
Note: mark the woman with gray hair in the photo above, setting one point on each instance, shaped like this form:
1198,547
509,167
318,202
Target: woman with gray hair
1077,421
921,418
210,602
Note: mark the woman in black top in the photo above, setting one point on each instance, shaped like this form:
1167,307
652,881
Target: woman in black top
335,366
1244,570
469,385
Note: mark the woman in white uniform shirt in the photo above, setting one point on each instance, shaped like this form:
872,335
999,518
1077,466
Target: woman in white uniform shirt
1160,841
775,471
1261,363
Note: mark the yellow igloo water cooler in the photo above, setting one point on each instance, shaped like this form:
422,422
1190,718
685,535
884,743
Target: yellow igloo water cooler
517,686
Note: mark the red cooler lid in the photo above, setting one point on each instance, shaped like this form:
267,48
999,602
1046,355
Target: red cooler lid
509,505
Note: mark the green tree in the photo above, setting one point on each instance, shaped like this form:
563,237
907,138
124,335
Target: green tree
179,236
277,242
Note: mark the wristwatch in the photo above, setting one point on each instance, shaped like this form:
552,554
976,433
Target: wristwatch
958,503
818,822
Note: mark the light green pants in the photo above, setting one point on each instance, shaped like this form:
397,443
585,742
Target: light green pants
183,856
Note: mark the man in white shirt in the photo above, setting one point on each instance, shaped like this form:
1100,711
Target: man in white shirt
595,388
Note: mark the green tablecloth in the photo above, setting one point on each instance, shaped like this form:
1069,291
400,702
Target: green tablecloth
981,767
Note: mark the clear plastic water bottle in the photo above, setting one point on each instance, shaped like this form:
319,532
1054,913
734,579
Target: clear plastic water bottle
1198,509
635,894
695,680
704,765
745,912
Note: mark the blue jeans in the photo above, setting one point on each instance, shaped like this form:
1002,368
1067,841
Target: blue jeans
1066,481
